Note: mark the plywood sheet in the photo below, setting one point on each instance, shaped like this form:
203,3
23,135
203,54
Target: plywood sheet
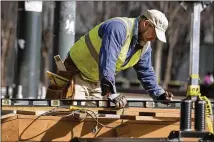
57,128
8,117
9,128
127,111
52,128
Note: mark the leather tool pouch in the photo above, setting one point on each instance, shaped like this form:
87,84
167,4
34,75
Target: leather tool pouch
66,92
70,77
56,92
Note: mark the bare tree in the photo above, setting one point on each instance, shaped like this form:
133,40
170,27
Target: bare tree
207,27
103,10
176,33
47,39
182,47
8,34
159,48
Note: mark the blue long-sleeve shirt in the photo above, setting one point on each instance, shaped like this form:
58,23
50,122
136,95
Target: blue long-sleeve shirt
113,34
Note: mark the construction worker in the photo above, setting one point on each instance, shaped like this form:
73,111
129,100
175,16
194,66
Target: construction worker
112,46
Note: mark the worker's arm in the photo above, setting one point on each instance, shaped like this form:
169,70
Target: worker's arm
113,34
147,76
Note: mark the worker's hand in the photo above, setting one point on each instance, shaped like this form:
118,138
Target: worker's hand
107,87
118,99
166,97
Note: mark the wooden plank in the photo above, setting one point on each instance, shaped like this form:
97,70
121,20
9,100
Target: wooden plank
8,117
139,119
167,113
83,129
60,129
109,116
4,112
148,131
57,128
143,112
9,128
150,118
146,112
25,112
27,108
128,110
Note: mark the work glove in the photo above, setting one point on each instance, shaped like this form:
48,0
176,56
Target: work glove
118,99
166,97
109,90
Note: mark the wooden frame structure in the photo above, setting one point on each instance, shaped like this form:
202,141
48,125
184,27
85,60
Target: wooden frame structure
27,125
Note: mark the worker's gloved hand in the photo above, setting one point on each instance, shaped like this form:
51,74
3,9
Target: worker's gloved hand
166,97
107,87
109,90
118,99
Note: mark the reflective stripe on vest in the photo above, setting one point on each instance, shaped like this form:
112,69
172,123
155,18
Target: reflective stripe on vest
91,48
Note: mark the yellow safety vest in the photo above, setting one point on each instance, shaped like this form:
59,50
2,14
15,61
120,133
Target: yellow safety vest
85,52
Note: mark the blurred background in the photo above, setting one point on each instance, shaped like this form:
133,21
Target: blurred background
30,39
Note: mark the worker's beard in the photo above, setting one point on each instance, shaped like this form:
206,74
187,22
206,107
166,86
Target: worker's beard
141,39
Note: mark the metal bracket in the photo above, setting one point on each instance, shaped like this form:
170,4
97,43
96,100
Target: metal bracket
6,102
178,135
193,90
55,103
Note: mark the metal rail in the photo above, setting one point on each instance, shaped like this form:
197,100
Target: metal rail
97,103
174,136
119,139
203,137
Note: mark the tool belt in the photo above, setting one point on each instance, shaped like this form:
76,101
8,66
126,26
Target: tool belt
67,91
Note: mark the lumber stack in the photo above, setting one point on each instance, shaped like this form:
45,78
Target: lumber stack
27,124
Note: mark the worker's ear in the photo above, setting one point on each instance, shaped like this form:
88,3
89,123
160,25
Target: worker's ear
146,23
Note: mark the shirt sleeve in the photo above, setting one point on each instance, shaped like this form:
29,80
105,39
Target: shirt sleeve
146,75
113,34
